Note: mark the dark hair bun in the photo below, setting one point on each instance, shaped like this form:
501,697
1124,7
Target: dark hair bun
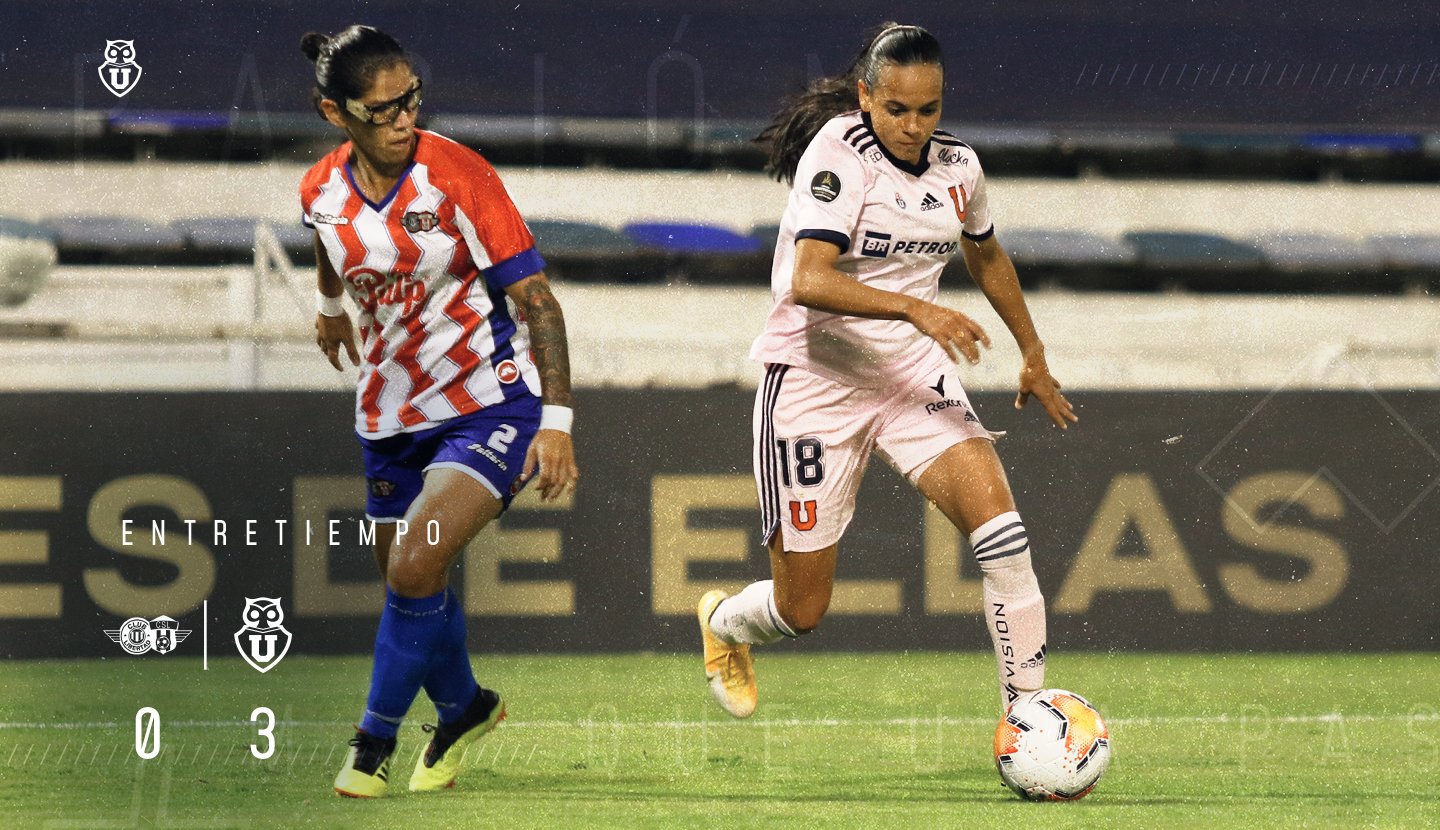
312,43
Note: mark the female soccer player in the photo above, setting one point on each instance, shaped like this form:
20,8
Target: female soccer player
860,358
464,388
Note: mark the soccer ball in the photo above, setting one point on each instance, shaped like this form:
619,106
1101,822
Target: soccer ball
1051,746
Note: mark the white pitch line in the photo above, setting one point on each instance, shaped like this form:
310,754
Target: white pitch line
513,723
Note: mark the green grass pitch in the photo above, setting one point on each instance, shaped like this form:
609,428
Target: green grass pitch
867,740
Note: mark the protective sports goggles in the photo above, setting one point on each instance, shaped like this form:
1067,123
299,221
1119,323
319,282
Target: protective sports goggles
386,111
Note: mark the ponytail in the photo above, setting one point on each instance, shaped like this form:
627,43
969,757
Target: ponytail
801,116
346,63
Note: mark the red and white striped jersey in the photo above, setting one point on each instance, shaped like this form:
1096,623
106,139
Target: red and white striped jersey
428,266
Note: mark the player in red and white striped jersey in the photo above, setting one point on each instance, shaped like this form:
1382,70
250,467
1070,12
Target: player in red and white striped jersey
464,389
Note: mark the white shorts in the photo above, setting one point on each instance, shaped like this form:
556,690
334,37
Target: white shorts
813,438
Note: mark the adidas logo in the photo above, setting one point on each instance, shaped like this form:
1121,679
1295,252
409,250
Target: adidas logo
930,202
1036,661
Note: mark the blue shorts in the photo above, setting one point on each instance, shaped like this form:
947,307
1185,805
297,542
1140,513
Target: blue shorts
488,445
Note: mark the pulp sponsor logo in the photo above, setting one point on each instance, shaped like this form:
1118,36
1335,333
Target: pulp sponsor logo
393,288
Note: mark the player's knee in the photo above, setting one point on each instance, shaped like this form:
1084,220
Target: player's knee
413,576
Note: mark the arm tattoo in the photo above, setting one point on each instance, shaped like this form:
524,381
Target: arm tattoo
547,341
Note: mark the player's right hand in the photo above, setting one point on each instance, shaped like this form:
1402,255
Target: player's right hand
957,334
330,333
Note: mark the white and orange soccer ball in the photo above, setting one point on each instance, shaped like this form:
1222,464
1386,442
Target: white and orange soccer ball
1052,745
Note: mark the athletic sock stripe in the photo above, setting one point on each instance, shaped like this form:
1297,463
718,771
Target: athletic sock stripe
1022,549
991,547
998,551
1006,529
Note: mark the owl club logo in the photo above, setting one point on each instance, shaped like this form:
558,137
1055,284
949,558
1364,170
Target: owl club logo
507,371
263,640
417,222
138,635
119,73
825,187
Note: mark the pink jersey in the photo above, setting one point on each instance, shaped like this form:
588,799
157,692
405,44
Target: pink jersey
428,267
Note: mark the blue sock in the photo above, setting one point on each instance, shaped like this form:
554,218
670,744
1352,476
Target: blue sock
451,684
410,634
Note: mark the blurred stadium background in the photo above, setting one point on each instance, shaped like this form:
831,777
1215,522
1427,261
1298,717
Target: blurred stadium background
1227,219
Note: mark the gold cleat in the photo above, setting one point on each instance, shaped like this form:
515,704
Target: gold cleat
730,669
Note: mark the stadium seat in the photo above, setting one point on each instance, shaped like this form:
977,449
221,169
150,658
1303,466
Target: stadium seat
1200,261
1319,262
767,235
589,252
24,229
109,239
705,253
683,238
1412,258
1075,259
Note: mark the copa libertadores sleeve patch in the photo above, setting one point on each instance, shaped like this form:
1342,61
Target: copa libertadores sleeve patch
825,186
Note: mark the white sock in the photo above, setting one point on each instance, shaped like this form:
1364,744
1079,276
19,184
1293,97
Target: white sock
1014,608
750,617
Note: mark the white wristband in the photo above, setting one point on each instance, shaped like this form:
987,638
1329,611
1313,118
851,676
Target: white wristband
329,306
557,417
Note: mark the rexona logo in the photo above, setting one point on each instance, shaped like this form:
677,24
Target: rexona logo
878,245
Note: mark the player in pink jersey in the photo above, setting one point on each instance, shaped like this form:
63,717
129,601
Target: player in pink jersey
464,389
860,358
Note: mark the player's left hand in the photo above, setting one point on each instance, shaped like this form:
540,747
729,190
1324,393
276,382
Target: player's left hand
1035,379
553,453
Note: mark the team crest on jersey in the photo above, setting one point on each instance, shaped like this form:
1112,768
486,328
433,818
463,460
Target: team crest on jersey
138,635
825,187
507,371
899,201
119,73
381,489
422,221
263,640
